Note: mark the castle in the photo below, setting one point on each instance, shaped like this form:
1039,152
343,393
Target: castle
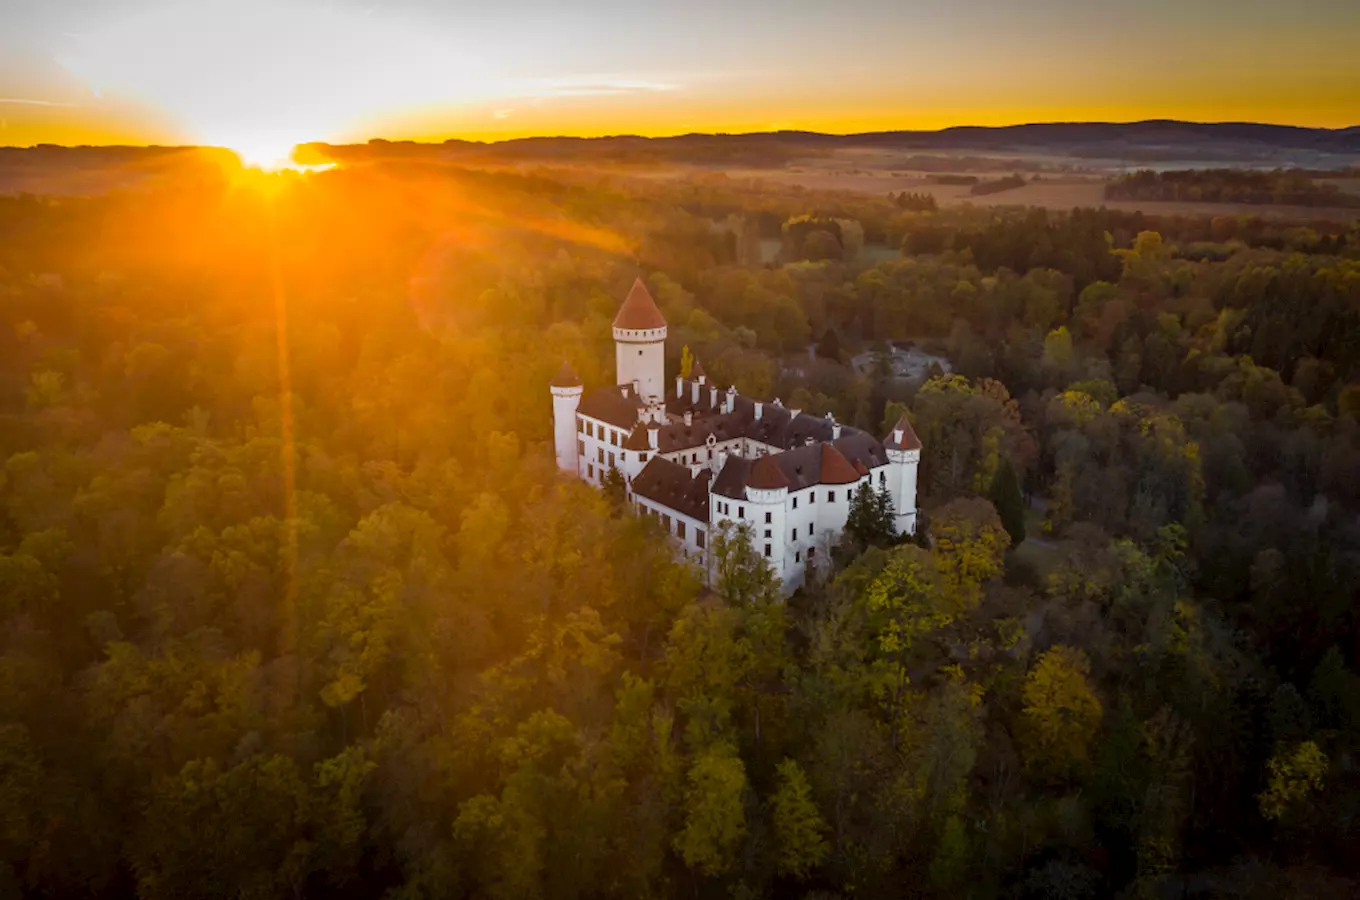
695,456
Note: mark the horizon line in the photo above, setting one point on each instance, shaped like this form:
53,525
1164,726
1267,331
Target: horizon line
431,141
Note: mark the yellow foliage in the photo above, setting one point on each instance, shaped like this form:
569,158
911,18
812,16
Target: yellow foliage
1062,712
1295,774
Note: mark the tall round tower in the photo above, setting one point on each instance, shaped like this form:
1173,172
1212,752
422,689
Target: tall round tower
566,393
904,455
640,343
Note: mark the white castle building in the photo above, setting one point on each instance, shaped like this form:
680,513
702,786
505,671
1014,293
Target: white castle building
695,456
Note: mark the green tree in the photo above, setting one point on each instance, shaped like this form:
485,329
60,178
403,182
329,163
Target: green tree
870,521
1010,506
714,810
798,825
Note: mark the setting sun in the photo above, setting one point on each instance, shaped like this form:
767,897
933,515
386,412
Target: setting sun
269,155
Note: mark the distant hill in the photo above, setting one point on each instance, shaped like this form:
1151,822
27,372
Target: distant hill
1149,141
1108,146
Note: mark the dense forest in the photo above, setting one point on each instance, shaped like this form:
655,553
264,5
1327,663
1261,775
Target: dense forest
1281,186
295,603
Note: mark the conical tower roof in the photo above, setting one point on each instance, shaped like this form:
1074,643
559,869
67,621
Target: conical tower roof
639,311
566,377
909,439
836,469
767,476
697,371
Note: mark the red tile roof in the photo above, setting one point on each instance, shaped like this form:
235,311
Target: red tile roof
566,376
909,439
836,469
639,312
767,476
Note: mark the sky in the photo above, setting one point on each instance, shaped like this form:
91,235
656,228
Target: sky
257,74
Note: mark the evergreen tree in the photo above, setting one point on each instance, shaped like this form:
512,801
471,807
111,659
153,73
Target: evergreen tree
614,487
870,521
1005,496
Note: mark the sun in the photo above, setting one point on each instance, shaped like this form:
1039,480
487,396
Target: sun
265,153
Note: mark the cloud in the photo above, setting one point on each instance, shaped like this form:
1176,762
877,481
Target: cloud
594,86
24,101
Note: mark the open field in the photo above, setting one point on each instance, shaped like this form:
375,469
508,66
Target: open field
1053,191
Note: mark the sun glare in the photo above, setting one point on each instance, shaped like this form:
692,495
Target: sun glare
266,155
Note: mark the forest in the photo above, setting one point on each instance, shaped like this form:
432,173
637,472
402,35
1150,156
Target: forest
296,605
1281,186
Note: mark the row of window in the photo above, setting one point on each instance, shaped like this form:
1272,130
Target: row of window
680,530
601,456
725,508
797,554
600,432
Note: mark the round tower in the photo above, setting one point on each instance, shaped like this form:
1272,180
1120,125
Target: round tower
640,343
904,455
566,390
767,493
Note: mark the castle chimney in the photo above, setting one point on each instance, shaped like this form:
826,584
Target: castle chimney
689,418
731,399
807,441
679,387
694,391
897,436
835,431
653,436
713,396
760,410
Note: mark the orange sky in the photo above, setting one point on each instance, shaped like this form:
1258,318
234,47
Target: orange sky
257,75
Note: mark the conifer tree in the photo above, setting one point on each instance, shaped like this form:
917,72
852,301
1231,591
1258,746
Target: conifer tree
870,521
1010,506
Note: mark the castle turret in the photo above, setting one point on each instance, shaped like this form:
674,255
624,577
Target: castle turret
767,494
566,393
640,343
904,455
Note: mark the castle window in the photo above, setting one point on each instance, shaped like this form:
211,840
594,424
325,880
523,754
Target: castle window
798,556
769,517
767,551
741,512
611,460
580,448
666,520
812,497
767,533
600,453
795,534
882,479
639,353
830,496
795,502
699,538
591,467
680,529
642,457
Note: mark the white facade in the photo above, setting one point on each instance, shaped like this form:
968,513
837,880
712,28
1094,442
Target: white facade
565,400
640,359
